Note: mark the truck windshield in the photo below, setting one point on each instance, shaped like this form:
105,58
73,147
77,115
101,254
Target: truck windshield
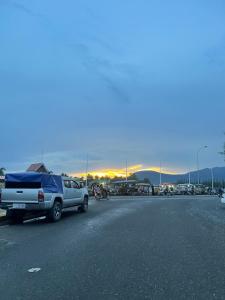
22,185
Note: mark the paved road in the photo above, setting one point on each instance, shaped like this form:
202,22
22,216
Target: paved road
137,248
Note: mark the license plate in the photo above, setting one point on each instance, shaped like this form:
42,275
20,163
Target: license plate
19,205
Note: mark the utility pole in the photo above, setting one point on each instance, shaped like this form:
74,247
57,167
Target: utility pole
212,177
160,173
201,148
189,178
87,162
126,171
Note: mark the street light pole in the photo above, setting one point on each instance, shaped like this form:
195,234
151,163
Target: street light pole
87,162
126,171
160,174
212,177
199,150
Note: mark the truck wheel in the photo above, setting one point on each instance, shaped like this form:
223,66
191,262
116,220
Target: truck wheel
84,207
15,217
55,212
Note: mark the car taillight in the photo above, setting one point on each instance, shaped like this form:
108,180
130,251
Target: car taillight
41,196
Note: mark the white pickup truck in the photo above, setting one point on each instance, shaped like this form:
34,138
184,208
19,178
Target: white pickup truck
32,192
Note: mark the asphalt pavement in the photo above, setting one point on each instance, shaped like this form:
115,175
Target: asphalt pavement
124,248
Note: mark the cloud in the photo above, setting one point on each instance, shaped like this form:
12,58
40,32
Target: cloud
25,9
28,11
115,88
60,161
216,54
101,67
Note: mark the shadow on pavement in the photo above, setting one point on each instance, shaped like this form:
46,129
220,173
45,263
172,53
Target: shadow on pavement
67,214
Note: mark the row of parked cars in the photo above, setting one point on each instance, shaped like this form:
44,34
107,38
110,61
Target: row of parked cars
41,193
135,188
184,189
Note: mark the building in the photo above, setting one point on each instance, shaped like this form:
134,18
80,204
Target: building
37,167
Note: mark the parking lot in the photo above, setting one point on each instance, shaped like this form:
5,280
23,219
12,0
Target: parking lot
124,248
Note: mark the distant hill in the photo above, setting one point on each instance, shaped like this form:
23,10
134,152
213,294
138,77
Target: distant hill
205,175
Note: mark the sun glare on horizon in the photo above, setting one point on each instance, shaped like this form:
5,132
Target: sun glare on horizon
117,172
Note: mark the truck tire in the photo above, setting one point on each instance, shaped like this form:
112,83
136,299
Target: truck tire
84,207
55,212
15,217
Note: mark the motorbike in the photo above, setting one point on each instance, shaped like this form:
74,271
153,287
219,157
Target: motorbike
101,195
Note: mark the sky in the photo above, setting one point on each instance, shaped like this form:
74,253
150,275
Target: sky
140,81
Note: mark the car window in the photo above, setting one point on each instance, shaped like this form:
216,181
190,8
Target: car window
67,183
75,185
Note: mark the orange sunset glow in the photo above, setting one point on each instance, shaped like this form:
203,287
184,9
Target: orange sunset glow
113,172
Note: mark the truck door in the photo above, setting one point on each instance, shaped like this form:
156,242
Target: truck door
68,195
77,191
72,193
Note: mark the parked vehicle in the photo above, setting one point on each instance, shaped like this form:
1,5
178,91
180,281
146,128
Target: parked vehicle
221,195
48,194
200,189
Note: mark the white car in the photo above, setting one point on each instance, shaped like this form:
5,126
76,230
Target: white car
223,199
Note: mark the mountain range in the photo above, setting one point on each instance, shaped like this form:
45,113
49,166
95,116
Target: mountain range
205,175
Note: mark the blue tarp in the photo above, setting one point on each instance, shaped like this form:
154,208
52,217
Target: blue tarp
49,183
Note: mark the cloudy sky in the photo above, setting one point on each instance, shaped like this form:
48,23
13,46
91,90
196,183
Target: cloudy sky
135,80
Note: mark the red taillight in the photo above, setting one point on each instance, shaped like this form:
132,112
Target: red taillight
41,196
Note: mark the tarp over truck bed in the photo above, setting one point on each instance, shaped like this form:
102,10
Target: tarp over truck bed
49,183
